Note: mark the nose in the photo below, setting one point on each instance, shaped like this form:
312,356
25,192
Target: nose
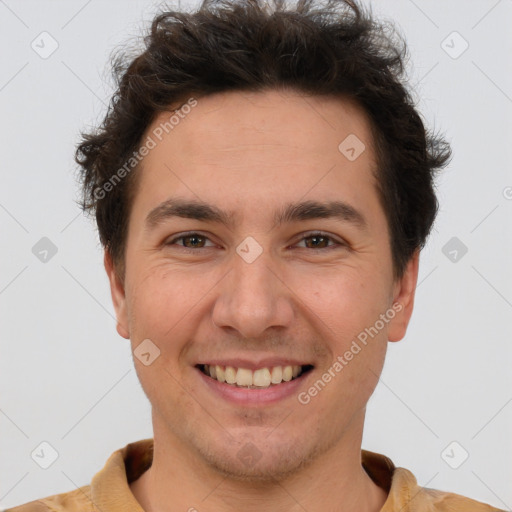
253,297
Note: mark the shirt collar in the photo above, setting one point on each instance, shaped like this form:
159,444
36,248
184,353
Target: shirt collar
110,490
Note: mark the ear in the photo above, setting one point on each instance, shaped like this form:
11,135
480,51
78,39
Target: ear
403,299
118,296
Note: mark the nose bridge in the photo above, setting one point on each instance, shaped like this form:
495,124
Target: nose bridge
251,297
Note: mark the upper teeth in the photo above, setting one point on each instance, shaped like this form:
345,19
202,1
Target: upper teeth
261,378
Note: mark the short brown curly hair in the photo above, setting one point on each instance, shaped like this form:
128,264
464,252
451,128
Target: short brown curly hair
330,48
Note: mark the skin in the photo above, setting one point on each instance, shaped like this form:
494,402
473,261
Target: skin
250,154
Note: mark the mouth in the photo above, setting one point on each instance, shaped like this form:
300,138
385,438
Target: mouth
260,378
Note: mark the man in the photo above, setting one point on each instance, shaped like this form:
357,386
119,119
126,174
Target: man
262,185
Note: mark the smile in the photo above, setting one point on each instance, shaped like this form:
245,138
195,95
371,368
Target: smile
254,379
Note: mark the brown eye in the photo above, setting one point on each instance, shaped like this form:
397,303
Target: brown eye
190,241
320,241
317,241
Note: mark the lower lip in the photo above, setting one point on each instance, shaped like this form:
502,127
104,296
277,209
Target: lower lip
247,397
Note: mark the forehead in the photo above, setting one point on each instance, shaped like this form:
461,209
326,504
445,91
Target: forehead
257,121
254,149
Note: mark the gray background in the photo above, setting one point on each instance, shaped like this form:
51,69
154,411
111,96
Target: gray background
67,378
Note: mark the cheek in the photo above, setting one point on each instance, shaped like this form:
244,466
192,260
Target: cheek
344,310
346,300
161,301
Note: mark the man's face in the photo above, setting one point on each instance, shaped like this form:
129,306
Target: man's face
257,293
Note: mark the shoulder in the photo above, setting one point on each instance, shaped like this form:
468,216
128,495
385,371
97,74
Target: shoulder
109,488
447,501
74,501
405,494
434,500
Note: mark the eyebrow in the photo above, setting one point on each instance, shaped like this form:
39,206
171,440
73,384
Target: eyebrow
289,213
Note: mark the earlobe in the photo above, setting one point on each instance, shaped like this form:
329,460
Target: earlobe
118,296
403,300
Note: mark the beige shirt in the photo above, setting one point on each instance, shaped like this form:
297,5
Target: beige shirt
109,490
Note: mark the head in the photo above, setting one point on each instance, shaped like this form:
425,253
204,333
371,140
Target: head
284,143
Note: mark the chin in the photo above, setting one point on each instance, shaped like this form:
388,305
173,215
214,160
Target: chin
247,462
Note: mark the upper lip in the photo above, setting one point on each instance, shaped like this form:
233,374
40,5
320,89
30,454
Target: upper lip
252,364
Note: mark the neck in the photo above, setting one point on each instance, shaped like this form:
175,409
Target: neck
335,480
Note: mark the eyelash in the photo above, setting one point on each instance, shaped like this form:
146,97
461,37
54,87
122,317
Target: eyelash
304,237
